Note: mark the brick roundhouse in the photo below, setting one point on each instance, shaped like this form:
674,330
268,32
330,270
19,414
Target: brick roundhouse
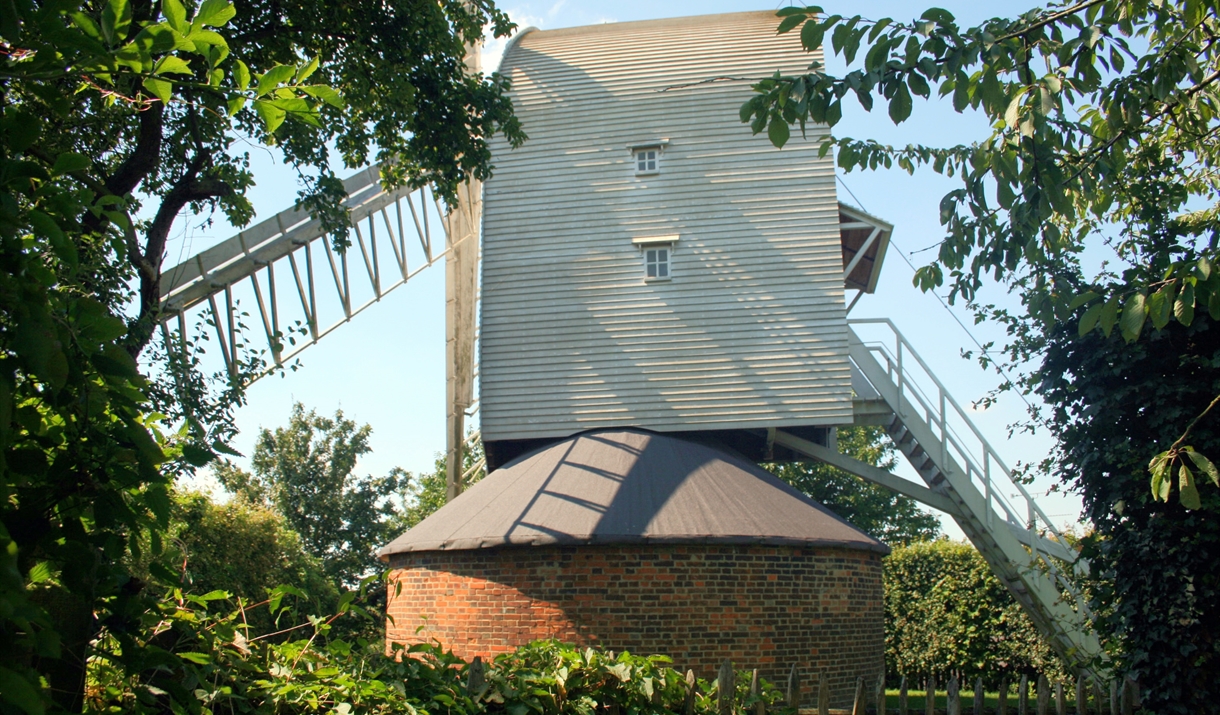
636,541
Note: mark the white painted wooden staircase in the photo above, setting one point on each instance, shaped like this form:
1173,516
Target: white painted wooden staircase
964,477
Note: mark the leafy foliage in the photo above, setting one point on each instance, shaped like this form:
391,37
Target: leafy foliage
110,110
875,510
423,494
947,612
305,472
1157,564
242,549
1103,117
232,668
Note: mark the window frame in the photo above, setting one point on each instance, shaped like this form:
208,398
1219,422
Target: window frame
651,145
668,244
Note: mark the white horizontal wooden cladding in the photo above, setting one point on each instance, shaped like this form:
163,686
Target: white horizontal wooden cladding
750,332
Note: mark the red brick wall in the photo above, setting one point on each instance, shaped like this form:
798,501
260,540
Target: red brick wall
761,606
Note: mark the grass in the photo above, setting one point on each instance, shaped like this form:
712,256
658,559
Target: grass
917,701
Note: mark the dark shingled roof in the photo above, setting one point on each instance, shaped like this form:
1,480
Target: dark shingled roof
630,486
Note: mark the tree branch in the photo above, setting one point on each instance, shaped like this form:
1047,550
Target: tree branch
1050,19
190,187
145,157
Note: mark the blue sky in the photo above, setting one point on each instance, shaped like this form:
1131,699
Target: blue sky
386,367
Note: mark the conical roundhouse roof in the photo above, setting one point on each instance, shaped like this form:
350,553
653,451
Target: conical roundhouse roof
629,486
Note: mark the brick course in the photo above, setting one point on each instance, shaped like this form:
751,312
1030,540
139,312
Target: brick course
761,606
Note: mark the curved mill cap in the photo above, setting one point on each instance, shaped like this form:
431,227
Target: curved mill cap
630,486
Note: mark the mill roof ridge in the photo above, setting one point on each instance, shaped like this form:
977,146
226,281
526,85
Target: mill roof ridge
628,486
723,18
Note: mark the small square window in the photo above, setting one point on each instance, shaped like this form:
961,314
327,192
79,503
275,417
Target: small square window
656,263
646,160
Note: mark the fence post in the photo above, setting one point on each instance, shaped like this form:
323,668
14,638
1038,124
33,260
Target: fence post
726,685
1097,694
794,688
902,696
857,705
688,706
1061,703
953,700
1044,695
1082,696
929,696
881,694
979,696
760,707
475,681
823,695
1001,707
1128,696
1023,696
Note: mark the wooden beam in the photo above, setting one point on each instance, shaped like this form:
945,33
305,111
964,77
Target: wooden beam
866,472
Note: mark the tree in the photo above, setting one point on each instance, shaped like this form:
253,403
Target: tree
875,510
112,109
1156,565
425,493
305,472
1104,117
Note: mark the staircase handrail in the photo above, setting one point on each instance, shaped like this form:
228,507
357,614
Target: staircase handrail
949,435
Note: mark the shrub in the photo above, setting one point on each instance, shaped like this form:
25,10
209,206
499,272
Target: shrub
203,645
946,611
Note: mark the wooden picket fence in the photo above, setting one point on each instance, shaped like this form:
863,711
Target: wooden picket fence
1121,700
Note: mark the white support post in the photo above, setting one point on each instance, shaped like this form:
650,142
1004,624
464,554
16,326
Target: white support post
461,294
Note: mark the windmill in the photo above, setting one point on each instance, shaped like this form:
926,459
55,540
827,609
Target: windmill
646,264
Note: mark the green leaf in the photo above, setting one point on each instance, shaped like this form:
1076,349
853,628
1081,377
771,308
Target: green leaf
900,105
1134,315
1088,321
116,19
236,102
1159,466
175,15
209,44
778,131
304,73
68,162
172,64
812,34
1184,307
788,23
17,690
241,75
196,658
1187,492
214,13
160,88
1083,298
328,95
1109,316
1160,304
1203,464
273,78
197,456
271,115
46,227
225,449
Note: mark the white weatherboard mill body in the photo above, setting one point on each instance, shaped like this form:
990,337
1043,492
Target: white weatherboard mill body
742,339
746,329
